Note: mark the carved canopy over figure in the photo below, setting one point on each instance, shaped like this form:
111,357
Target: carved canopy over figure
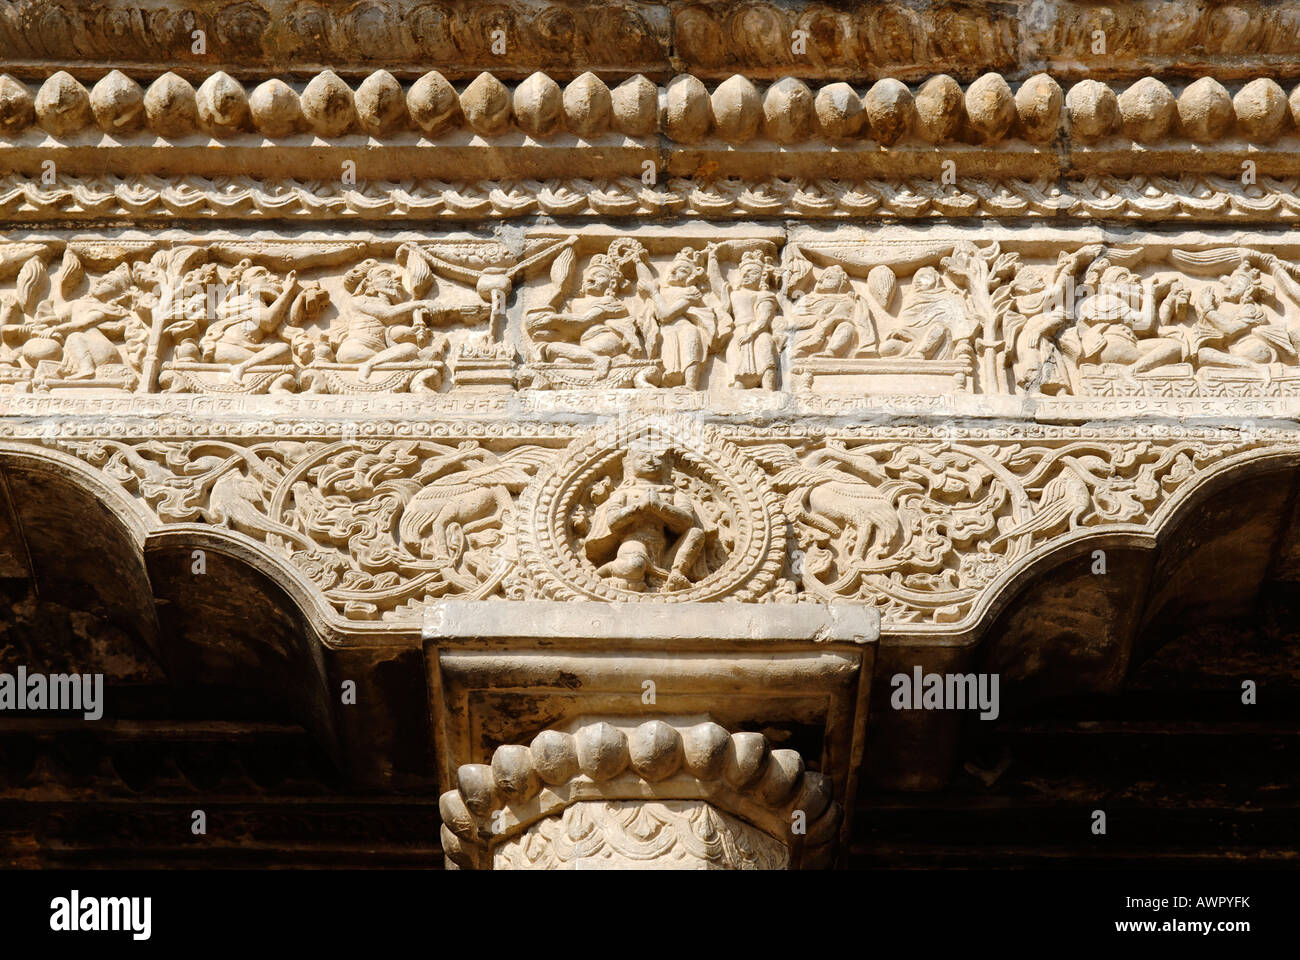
647,531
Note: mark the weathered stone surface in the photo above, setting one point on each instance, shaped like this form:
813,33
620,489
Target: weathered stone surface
1261,110
221,104
658,388
62,104
539,106
839,111
17,105
890,111
1038,105
275,109
636,106
737,110
432,103
380,104
1147,110
588,106
939,107
687,113
169,106
328,105
1093,109
990,107
1205,111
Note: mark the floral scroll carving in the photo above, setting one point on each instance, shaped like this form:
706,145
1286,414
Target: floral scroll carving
652,509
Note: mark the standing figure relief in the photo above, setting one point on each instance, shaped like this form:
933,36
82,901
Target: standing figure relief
754,311
689,308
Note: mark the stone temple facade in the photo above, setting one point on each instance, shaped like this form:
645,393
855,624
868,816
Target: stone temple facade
551,434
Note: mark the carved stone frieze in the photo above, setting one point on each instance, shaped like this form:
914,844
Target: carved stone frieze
555,349
747,317
927,526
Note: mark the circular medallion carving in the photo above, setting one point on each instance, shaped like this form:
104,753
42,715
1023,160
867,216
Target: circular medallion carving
660,510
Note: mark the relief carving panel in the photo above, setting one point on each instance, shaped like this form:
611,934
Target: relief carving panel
922,524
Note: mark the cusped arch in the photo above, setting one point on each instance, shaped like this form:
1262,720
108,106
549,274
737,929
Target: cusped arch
1210,546
1167,518
77,536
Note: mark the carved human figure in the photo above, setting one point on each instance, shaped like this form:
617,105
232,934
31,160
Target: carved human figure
91,323
831,320
1233,329
246,331
688,317
185,308
752,352
373,328
936,318
1111,329
597,325
1046,304
646,527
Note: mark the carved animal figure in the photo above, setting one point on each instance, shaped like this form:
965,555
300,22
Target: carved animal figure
1066,499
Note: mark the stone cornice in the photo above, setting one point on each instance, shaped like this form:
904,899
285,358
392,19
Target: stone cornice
848,39
1200,198
381,131
115,110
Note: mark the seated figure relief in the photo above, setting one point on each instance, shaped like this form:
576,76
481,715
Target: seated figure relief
597,328
831,320
1122,330
1234,330
380,325
1118,325
647,532
87,331
936,321
930,322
